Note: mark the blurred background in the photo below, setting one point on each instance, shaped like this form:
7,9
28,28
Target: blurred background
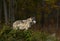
46,12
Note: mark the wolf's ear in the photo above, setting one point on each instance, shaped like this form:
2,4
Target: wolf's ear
33,18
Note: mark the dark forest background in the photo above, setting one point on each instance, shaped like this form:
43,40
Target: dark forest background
46,12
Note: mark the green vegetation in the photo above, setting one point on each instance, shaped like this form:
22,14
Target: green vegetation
7,34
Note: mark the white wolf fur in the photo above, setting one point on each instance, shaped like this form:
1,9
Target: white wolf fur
23,24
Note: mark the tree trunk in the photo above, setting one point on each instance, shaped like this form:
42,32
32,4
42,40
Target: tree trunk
42,20
5,11
11,11
0,13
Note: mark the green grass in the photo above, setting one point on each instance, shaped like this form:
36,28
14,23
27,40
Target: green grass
7,34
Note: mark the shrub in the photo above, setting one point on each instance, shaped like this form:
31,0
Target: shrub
7,34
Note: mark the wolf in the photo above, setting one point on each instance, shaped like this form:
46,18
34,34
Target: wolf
24,24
